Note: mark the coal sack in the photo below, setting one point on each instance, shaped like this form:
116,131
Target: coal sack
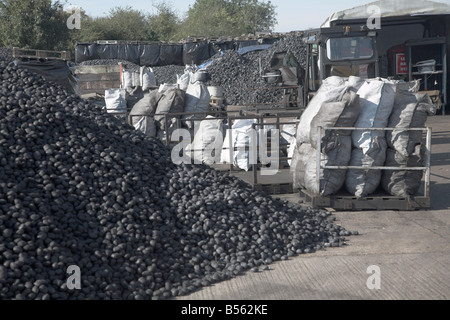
82,190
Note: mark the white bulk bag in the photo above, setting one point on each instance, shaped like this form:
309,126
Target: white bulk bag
242,136
147,126
208,141
377,98
197,101
147,78
116,101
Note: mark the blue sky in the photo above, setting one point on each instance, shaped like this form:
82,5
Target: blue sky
291,15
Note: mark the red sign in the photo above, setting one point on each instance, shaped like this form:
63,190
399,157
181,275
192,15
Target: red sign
400,62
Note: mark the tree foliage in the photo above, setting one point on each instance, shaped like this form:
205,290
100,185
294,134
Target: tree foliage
42,24
254,16
165,22
37,24
121,24
130,24
229,17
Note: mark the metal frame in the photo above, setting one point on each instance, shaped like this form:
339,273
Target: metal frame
442,41
319,37
225,116
339,32
373,202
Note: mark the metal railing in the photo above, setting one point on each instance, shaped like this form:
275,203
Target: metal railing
427,167
228,117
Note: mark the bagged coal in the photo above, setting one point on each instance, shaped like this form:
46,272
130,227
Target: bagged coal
81,190
145,107
406,148
304,167
171,101
335,105
147,125
377,98
147,79
208,141
197,102
403,183
239,144
411,110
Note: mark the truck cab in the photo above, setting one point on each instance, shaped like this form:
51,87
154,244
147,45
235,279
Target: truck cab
409,48
340,51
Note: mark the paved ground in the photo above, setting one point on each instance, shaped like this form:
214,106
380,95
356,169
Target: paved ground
411,250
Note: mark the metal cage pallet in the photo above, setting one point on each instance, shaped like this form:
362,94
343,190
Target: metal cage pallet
275,189
375,201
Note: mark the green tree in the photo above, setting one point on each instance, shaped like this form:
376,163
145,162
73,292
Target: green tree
254,16
165,22
34,24
128,24
92,29
228,18
208,18
120,24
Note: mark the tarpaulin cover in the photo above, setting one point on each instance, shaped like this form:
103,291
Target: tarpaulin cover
225,45
108,51
162,54
239,44
196,52
86,52
171,54
149,55
129,52
248,49
58,71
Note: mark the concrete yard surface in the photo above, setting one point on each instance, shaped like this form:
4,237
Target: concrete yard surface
396,256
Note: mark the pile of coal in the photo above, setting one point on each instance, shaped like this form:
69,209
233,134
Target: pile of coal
111,62
241,76
79,187
5,54
168,74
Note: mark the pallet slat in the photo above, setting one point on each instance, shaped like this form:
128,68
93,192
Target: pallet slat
378,203
275,189
40,54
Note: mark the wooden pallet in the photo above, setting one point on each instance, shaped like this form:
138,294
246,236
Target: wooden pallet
275,189
97,79
40,54
378,202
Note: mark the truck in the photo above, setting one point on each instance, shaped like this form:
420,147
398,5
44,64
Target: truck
409,42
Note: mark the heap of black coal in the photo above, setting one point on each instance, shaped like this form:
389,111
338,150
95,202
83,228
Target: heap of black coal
241,75
78,187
